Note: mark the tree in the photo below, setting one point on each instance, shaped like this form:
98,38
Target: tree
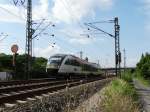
143,67
38,65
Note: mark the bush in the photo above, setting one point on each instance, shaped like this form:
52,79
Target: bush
127,76
143,67
119,96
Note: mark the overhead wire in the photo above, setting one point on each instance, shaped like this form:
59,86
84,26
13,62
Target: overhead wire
4,36
11,13
67,2
42,30
70,11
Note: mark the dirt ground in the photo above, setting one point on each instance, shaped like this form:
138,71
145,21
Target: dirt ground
144,94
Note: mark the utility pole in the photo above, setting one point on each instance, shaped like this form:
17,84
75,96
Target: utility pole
117,48
116,36
124,60
28,38
98,62
81,54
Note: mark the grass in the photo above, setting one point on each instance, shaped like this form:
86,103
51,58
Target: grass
119,96
127,76
143,81
140,78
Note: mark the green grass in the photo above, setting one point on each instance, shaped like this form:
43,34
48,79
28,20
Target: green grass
119,96
127,76
140,78
143,81
123,88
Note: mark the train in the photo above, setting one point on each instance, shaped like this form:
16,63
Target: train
69,65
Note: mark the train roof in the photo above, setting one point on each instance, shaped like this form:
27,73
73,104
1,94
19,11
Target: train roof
80,60
61,55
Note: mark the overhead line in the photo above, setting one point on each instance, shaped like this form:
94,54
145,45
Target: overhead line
39,25
109,21
5,36
90,25
12,13
68,9
42,30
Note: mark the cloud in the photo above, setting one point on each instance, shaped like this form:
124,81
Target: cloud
76,35
18,14
146,4
9,11
46,52
62,10
146,11
75,10
83,41
41,10
132,61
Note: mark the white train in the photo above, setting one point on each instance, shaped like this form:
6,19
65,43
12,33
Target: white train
63,64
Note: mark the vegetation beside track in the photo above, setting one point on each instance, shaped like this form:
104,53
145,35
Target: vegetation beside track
38,66
143,70
119,96
127,76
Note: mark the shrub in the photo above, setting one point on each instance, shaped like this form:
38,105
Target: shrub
127,76
119,96
143,67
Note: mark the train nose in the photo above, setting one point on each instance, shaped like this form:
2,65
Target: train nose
53,66
52,69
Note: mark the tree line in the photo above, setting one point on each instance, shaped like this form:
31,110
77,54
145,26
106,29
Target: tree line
143,67
38,66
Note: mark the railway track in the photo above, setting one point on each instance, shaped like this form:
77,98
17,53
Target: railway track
11,93
23,82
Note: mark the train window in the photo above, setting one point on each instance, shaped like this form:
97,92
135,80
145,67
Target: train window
55,60
72,62
67,62
87,67
76,63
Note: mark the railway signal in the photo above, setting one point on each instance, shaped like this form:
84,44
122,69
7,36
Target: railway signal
14,49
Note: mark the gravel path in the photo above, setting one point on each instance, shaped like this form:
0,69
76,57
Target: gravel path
144,93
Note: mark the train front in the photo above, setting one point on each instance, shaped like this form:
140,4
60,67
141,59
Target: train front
54,63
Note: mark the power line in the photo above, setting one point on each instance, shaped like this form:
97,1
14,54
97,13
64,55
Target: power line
42,30
108,21
70,11
12,13
38,26
99,29
116,36
3,36
67,2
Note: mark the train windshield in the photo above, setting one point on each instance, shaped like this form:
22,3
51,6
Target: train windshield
55,60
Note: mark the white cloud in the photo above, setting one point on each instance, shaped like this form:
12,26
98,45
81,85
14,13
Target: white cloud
146,7
62,10
146,10
82,41
131,62
46,52
10,13
74,10
41,10
75,35
18,14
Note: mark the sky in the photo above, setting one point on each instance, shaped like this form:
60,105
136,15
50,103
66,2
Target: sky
70,32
